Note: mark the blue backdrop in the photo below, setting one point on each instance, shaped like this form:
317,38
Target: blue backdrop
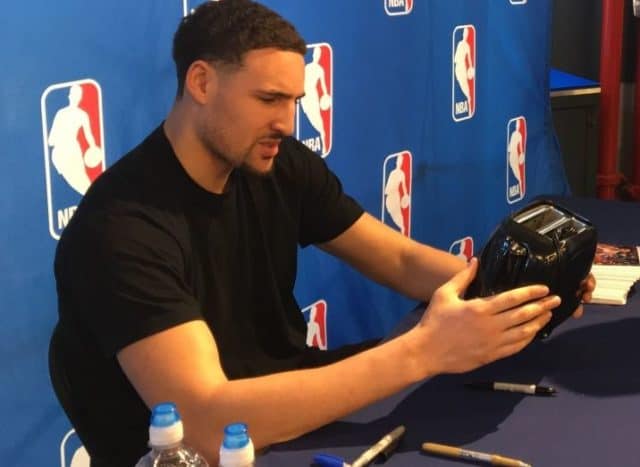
435,115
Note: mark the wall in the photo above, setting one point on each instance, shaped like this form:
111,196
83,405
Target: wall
395,98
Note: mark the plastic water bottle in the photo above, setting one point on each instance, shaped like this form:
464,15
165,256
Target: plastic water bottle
165,439
237,448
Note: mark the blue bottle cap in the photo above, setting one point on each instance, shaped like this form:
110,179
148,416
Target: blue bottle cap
235,436
328,460
164,414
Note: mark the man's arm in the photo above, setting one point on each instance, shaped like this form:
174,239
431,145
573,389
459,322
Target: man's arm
392,259
411,268
182,365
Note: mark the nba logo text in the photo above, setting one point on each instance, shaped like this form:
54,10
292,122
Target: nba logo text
396,191
316,317
463,74
398,7
314,115
518,2
516,159
72,452
73,139
462,248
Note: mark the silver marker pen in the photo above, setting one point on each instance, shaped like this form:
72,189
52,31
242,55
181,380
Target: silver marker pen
532,389
366,457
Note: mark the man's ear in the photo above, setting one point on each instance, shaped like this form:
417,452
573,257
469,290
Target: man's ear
201,81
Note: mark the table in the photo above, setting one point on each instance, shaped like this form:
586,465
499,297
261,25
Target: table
593,362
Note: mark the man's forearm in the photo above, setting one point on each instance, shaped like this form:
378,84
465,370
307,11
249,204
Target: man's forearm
423,269
285,405
389,258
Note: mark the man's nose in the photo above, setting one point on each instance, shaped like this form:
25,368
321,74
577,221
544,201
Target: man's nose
284,122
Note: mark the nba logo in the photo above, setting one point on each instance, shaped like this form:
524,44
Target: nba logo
314,123
462,248
73,138
316,317
188,9
396,191
518,2
398,7
463,75
72,452
516,159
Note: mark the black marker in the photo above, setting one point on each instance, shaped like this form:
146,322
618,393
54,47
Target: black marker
532,389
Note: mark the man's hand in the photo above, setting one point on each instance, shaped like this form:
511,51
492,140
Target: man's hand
586,289
459,335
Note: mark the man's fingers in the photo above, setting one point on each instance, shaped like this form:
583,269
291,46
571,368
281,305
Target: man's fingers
528,312
587,287
579,311
523,333
591,281
463,279
513,298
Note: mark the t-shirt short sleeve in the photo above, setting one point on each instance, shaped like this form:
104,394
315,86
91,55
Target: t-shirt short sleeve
131,267
326,210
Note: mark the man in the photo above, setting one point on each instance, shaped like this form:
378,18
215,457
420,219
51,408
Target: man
312,102
67,156
464,66
175,276
396,195
516,153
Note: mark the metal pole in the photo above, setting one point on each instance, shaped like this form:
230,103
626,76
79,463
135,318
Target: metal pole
634,189
610,62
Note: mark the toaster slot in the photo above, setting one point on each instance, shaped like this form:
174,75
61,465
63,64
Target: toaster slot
542,219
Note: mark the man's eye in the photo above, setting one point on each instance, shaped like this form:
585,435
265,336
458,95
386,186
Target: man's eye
268,99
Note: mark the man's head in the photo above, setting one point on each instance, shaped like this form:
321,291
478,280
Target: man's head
223,32
317,53
240,72
75,95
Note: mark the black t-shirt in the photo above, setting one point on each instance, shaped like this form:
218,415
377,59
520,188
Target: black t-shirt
148,249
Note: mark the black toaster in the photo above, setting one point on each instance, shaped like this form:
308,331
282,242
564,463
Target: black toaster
543,243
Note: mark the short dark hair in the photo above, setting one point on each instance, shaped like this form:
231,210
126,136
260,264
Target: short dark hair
225,30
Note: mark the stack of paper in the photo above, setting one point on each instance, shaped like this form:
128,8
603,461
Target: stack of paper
616,269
